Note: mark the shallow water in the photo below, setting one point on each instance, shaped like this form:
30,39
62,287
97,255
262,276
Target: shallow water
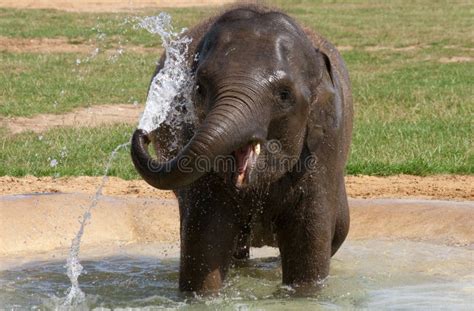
364,274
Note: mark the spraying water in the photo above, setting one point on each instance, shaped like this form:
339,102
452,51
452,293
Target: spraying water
169,100
74,268
169,97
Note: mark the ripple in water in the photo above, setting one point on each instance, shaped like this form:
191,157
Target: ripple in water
364,275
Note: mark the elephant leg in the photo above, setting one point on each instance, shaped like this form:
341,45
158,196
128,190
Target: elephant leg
341,229
342,218
209,232
304,236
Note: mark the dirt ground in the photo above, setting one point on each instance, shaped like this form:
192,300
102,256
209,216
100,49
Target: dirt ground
41,45
62,45
106,5
439,187
82,117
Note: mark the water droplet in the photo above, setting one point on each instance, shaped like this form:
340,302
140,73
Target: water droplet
63,152
95,52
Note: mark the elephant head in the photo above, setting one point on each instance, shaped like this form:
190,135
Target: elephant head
259,79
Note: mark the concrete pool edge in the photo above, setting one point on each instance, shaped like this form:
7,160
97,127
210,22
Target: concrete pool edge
31,225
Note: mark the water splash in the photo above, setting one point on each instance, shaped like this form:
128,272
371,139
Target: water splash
75,295
170,95
169,100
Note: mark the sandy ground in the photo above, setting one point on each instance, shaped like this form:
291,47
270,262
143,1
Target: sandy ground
439,187
456,59
83,117
41,45
63,45
106,5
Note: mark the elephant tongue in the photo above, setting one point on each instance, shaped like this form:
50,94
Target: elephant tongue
242,156
245,157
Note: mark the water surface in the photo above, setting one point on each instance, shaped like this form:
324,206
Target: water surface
373,274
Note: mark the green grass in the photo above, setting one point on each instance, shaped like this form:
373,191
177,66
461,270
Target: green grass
99,28
405,147
418,148
413,113
83,151
54,83
399,23
416,91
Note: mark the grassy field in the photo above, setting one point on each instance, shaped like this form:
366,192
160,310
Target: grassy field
413,106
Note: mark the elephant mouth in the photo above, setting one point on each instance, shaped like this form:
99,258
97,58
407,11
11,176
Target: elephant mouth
245,160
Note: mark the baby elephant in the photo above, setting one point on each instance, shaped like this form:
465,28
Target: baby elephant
263,164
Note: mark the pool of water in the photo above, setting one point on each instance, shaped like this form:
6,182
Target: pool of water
375,274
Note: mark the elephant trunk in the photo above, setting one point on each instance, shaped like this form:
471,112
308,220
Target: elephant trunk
228,126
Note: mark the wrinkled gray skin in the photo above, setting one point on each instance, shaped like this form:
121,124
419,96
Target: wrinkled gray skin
261,78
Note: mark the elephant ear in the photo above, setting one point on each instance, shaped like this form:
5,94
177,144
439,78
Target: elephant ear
323,111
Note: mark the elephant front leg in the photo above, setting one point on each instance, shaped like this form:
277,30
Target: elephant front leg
208,239
304,238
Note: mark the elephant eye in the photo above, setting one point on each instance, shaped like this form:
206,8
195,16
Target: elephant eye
285,98
285,95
